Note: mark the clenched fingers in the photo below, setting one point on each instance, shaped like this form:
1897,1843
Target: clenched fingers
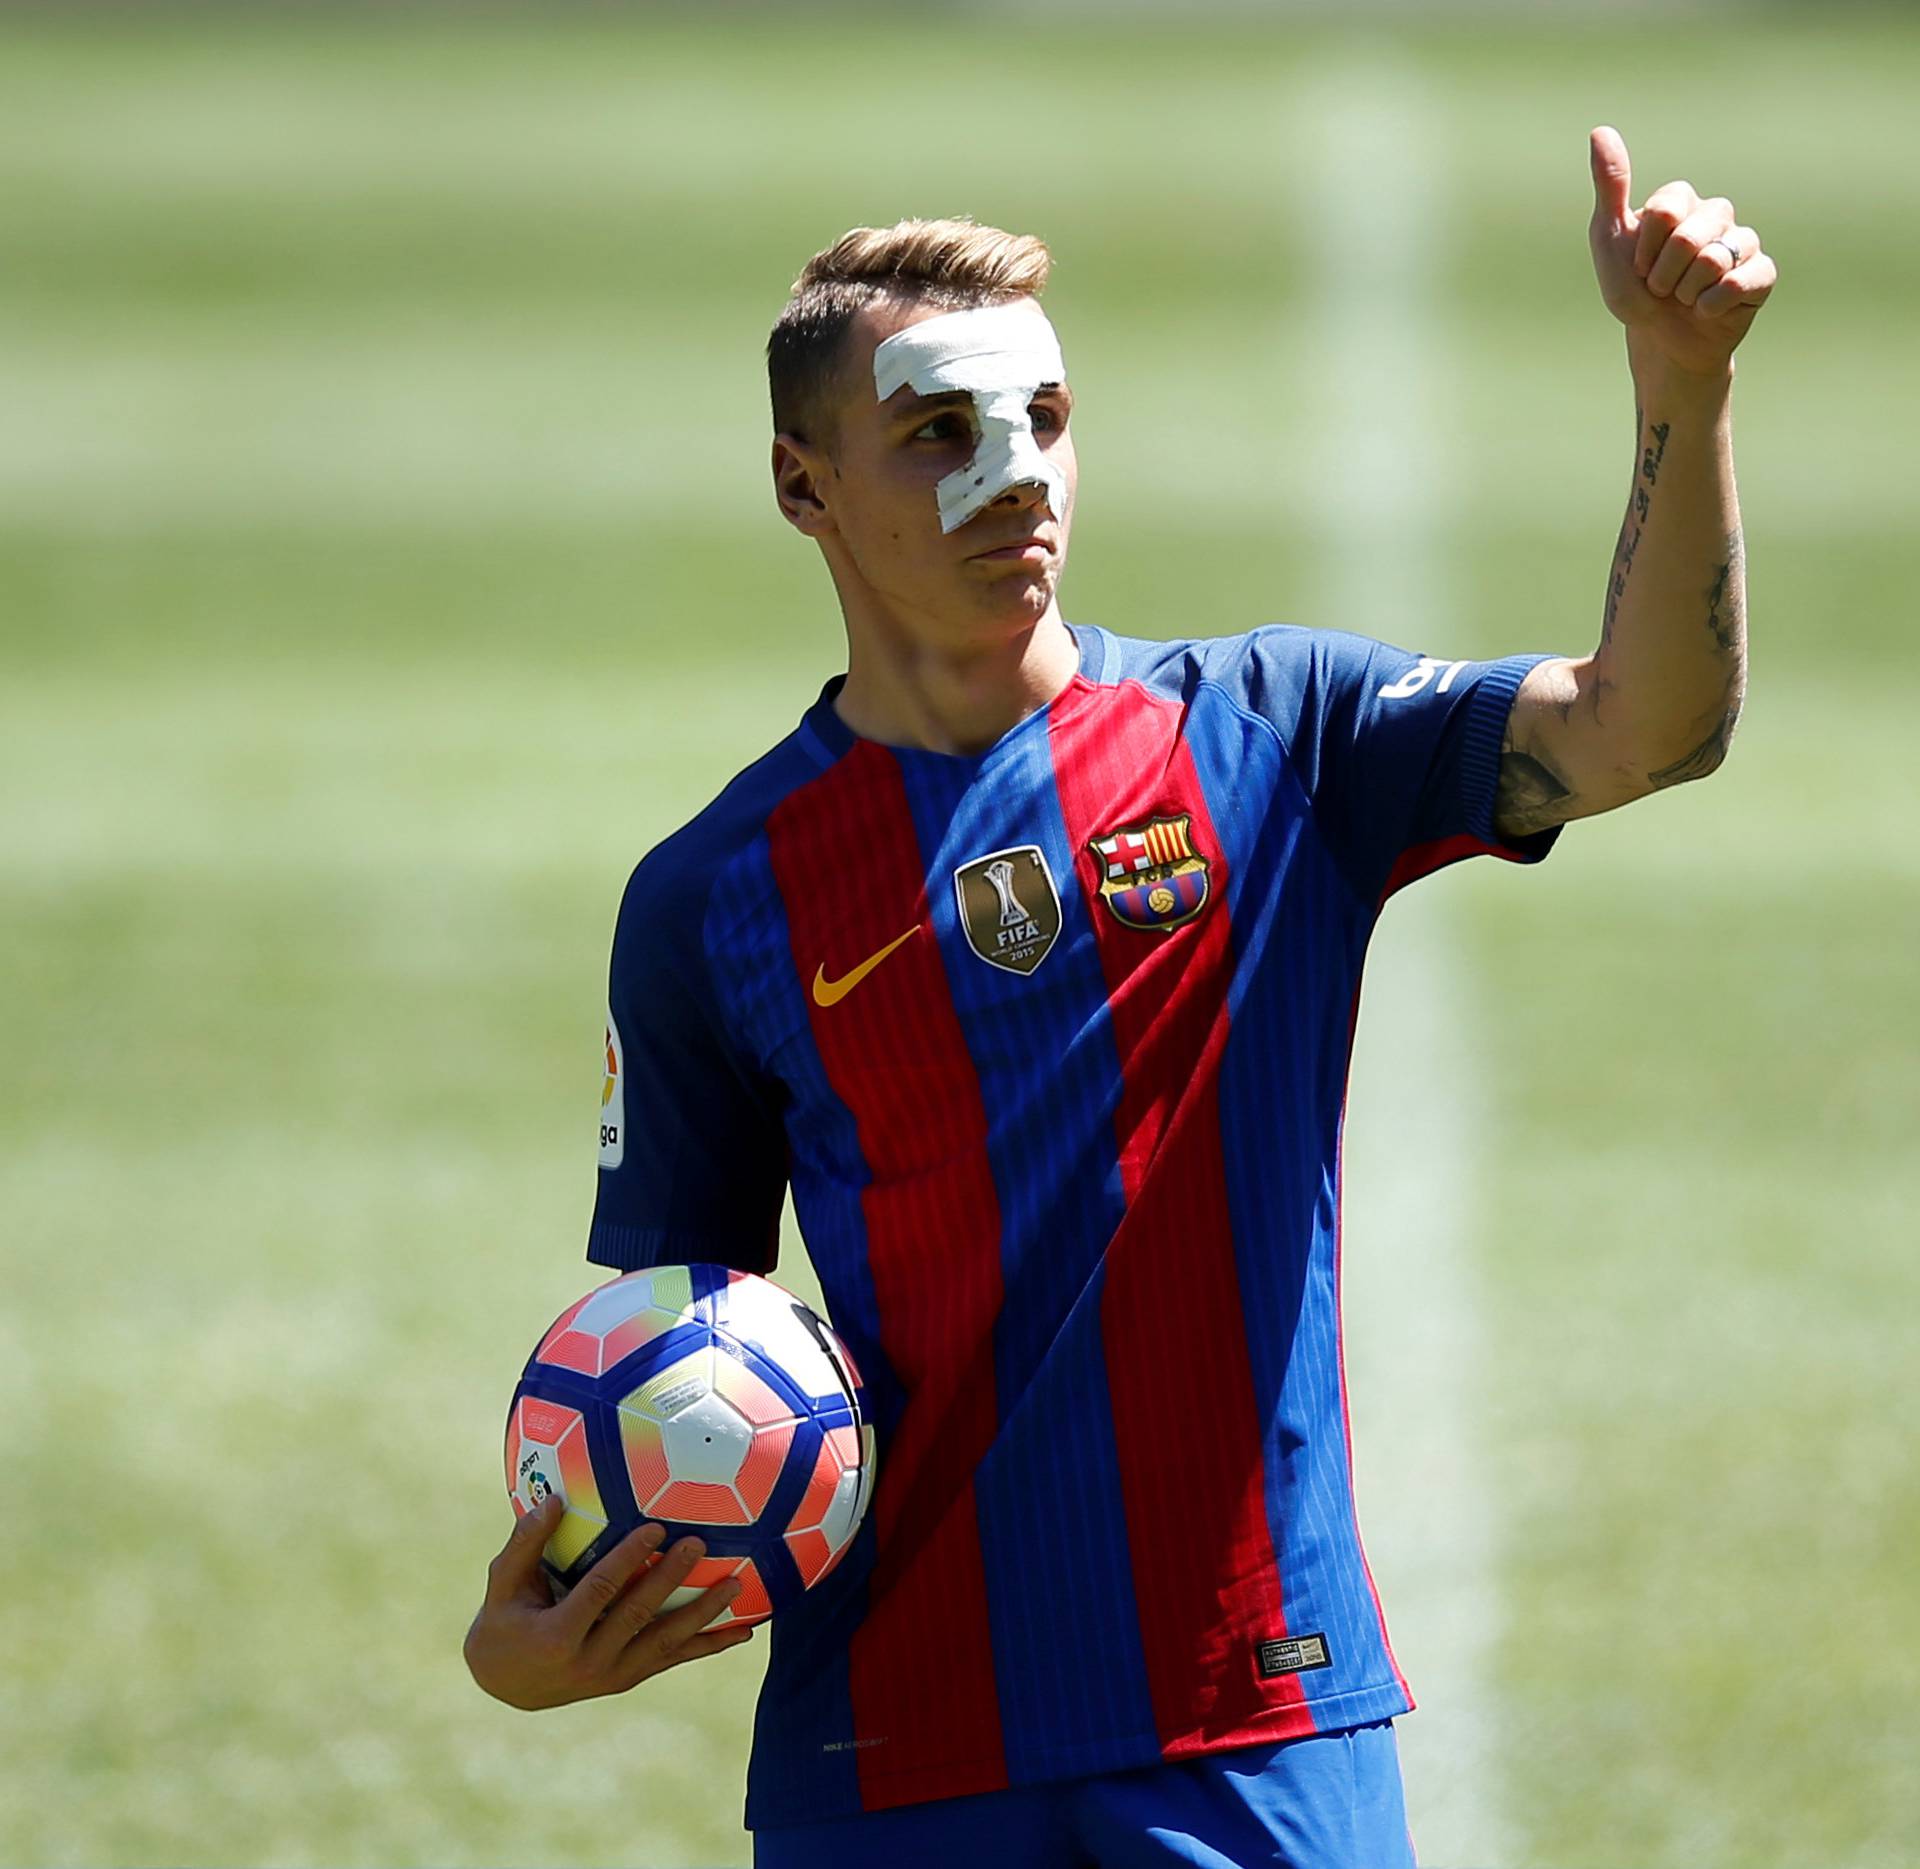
1665,209
1718,256
1678,251
1747,284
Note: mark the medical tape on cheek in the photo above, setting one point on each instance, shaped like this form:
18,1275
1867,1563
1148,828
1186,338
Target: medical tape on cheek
1000,355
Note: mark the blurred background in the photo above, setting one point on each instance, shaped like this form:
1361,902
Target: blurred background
387,560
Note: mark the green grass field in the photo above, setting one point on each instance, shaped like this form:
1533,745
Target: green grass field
386,561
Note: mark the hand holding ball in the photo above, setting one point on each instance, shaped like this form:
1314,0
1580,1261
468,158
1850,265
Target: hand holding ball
712,1402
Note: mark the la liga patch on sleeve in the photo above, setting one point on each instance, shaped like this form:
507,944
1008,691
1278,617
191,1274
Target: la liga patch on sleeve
613,1102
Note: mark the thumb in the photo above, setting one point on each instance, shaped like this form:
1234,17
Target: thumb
1612,175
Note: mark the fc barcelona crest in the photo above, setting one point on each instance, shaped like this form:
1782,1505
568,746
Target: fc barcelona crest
1151,875
1009,907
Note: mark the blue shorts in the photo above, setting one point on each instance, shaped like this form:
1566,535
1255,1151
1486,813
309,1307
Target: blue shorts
1329,1802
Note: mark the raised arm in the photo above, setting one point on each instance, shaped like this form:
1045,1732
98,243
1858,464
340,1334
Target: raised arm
1656,702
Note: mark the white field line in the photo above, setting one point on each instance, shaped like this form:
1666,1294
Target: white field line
1373,199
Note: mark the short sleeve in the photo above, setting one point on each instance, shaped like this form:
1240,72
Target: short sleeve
1398,752
693,1162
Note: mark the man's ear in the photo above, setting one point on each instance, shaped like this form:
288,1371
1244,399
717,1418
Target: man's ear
799,472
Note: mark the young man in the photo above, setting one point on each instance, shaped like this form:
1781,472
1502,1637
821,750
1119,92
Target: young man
1029,961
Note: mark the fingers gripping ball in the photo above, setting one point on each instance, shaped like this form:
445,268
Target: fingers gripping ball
712,1401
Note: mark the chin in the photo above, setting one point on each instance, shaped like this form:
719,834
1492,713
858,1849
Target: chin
1023,599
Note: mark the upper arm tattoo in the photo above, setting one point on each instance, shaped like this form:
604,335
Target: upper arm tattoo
1530,795
1533,791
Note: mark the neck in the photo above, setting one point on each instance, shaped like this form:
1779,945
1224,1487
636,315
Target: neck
952,698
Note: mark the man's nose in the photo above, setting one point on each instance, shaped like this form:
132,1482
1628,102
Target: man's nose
1022,493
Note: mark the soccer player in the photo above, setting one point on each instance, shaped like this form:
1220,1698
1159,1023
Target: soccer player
1028,960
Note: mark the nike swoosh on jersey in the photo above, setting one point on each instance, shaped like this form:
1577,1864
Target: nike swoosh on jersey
830,992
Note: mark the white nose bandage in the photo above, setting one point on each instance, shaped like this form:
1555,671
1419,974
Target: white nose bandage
999,355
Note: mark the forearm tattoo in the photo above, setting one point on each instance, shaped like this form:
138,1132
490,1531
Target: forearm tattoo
1532,794
1704,757
1726,599
1653,450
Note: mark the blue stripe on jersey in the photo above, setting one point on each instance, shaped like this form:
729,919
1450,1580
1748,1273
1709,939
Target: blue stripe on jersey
1066,1629
803,1724
761,991
1288,902
1280,1088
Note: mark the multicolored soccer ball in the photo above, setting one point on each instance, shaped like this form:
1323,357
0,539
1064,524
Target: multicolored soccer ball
711,1400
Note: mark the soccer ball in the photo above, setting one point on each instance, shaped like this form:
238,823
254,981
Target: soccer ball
711,1400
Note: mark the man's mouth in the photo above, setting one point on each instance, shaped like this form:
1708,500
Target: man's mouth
1037,543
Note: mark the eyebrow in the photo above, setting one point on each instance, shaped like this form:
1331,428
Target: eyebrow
919,407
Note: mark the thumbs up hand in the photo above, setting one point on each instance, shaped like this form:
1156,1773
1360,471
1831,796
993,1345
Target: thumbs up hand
1681,274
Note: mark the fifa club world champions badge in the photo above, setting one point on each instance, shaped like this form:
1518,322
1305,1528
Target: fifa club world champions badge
1151,875
1009,907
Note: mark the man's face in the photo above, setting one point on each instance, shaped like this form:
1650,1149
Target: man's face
879,521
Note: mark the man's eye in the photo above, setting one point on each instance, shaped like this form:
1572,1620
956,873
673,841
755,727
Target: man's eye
1046,416
943,428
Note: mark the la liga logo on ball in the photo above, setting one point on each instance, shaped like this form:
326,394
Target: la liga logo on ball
712,1401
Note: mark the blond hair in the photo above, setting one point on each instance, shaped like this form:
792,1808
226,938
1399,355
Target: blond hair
953,264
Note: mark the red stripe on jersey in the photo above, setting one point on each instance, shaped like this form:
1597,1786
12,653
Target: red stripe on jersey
1419,860
1193,1476
848,866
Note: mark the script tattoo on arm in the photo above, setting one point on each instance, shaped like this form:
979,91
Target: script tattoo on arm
1638,508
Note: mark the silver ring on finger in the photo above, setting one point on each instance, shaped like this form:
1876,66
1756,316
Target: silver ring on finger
1734,255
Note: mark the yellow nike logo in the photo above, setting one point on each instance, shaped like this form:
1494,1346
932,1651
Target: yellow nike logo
831,992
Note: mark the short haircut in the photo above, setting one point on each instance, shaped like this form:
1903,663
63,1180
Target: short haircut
954,264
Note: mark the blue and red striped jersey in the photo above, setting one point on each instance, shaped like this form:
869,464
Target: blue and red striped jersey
1050,1043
